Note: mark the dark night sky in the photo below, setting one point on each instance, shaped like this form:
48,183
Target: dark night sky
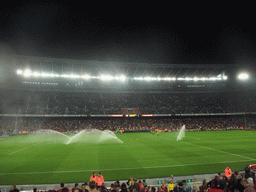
154,34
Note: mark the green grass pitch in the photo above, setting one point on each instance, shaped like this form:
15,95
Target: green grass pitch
47,159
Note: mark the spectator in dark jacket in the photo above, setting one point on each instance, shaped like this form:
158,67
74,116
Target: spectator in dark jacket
178,187
136,186
14,189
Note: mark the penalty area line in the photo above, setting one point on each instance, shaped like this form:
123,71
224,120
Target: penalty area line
131,168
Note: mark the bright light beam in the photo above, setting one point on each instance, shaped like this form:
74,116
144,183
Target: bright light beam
19,72
243,76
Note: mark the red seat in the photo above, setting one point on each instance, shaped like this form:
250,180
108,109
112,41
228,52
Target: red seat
252,166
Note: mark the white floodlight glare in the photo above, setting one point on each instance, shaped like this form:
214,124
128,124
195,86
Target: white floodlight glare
195,78
122,78
86,77
225,77
65,76
74,76
138,78
106,77
19,72
27,73
45,75
147,78
36,74
243,76
150,78
170,78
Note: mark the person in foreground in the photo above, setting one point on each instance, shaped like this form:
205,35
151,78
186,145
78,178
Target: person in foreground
170,186
14,189
186,186
93,177
247,187
99,180
93,186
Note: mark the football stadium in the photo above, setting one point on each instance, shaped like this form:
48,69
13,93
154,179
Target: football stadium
63,119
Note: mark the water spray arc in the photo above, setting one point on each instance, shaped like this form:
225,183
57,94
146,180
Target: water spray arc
181,133
90,136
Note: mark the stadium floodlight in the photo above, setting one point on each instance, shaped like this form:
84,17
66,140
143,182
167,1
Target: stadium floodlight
195,78
36,74
27,73
86,77
225,77
122,78
149,78
106,77
243,76
19,72
138,78
45,75
65,76
74,76
167,78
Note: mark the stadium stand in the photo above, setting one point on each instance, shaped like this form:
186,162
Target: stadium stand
63,125
43,102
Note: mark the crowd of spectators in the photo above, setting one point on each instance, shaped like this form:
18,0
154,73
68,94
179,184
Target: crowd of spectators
8,125
227,182
43,102
231,182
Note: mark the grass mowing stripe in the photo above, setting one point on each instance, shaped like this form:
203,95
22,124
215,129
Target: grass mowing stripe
153,167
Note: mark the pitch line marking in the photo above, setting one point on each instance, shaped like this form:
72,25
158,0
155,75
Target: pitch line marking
209,148
23,149
153,167
215,149
222,151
